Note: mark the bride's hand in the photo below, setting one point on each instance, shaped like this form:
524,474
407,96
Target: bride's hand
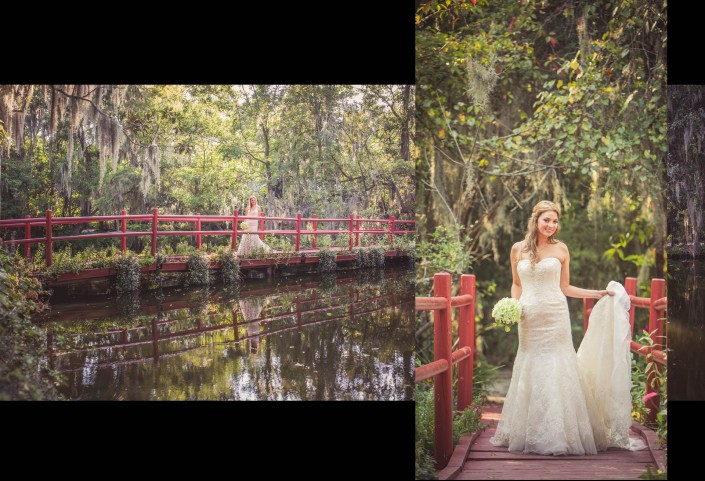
601,294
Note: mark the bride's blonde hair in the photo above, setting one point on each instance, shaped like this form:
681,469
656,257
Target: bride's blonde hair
532,234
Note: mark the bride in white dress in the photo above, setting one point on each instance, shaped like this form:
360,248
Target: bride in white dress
560,402
251,243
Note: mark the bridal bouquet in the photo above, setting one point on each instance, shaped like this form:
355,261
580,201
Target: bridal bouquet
506,312
243,225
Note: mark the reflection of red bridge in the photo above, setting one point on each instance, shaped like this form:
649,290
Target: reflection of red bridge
302,307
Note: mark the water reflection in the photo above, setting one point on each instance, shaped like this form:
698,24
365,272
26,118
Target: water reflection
340,338
686,330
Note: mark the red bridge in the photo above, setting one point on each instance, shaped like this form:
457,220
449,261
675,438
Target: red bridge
354,226
474,457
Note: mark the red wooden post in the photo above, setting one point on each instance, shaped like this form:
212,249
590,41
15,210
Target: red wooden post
48,239
261,225
443,392
630,287
314,228
466,333
155,215
233,243
658,288
198,228
588,304
298,232
350,233
123,242
391,230
27,235
357,231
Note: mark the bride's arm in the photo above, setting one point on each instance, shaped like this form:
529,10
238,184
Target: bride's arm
513,259
572,291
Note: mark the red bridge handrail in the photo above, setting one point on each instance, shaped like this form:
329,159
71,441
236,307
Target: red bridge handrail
444,358
353,228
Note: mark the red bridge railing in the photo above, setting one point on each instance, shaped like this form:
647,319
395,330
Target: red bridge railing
656,304
444,358
388,227
441,368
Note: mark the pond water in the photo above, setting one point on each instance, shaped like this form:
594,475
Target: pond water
341,337
686,330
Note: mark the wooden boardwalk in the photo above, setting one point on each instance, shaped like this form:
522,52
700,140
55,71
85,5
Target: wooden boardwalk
475,458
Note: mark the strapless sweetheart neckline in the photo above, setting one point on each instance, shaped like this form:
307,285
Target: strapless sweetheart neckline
539,262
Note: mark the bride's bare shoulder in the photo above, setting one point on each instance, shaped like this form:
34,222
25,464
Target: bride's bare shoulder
516,250
562,247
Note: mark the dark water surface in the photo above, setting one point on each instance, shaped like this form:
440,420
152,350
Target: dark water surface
686,330
344,338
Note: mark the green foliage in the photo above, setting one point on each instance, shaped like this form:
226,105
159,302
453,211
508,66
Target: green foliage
197,270
640,366
467,422
206,148
327,240
369,257
424,421
66,260
652,473
182,248
229,267
425,465
127,273
326,261
377,256
23,371
543,100
280,243
444,252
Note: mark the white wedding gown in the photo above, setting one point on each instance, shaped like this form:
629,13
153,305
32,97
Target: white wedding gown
560,402
251,243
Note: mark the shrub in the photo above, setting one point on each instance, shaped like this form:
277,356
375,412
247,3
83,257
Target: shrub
326,261
23,371
197,270
376,256
229,267
127,269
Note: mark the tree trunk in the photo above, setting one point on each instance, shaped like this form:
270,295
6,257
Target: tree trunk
404,151
267,165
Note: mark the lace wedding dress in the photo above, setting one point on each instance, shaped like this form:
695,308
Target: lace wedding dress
251,243
560,402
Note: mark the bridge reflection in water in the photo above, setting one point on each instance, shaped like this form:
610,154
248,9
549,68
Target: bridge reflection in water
324,339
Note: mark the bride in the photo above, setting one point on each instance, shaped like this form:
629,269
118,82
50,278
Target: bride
560,402
251,243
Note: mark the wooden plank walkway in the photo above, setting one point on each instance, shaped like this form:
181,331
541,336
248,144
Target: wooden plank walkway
475,458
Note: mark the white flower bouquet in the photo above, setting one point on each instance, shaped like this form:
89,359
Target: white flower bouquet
243,225
506,312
